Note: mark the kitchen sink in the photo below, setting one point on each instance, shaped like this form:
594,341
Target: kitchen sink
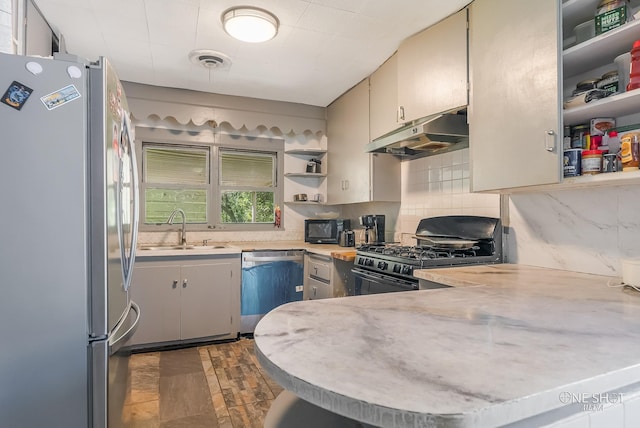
182,247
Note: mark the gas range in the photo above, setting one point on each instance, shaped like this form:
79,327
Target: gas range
403,260
441,242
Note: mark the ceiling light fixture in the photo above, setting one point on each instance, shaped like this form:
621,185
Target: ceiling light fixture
250,24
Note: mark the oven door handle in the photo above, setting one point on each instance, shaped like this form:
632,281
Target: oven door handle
381,279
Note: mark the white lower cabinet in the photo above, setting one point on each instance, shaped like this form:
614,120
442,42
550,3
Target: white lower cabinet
186,299
326,277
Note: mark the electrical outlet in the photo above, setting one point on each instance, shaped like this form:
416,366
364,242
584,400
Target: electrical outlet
299,288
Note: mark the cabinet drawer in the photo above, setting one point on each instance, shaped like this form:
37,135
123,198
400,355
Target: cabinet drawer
320,269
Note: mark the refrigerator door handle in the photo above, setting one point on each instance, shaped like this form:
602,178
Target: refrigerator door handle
136,202
118,342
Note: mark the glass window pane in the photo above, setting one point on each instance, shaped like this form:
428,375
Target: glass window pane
159,203
176,165
247,207
247,169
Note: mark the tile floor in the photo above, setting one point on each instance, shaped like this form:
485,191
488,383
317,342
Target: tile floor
220,385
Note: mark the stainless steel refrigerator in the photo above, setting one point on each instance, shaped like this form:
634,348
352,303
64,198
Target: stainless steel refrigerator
68,229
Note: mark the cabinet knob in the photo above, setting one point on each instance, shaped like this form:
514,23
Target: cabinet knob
184,283
175,283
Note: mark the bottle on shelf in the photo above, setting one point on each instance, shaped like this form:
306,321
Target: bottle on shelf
634,75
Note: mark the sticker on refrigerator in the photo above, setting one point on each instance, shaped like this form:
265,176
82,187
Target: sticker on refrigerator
60,97
16,95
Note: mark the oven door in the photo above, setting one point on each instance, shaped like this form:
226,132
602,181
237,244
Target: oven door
367,282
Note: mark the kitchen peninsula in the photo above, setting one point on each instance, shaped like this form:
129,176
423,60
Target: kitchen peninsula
506,344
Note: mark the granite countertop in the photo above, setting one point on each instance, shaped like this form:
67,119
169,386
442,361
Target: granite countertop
501,348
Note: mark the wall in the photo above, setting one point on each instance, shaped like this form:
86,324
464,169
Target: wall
587,230
6,27
439,185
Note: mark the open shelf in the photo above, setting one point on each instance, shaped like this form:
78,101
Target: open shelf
305,174
609,179
306,152
612,106
601,49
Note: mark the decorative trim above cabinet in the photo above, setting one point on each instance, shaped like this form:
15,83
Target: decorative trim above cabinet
199,108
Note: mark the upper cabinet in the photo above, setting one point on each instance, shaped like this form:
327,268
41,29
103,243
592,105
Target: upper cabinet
432,69
519,77
354,175
514,112
383,96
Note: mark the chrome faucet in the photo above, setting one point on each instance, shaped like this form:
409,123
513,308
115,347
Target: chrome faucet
183,236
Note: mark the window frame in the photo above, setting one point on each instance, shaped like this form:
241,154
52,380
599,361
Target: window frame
215,142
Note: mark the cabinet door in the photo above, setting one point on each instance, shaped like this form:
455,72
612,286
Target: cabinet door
432,68
514,63
206,300
383,99
347,134
155,290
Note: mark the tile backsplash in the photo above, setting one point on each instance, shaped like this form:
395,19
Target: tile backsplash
439,185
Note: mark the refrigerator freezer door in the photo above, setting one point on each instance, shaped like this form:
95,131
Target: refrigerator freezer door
110,371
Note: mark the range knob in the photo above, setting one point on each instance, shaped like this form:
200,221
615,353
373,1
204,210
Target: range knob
368,262
382,265
407,270
361,261
397,268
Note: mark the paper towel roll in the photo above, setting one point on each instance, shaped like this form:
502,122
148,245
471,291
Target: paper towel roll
631,272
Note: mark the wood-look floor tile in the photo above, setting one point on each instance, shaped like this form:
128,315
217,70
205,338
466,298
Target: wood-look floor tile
184,395
220,385
142,415
251,415
207,420
181,361
143,382
225,422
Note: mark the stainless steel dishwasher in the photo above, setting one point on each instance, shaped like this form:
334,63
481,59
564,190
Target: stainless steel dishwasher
270,278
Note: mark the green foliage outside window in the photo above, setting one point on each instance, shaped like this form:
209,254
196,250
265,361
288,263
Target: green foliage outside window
247,207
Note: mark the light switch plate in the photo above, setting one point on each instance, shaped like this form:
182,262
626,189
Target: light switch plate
299,288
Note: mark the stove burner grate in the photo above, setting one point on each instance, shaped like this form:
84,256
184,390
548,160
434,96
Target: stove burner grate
418,253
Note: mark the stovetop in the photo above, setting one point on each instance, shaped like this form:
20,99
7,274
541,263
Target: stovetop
401,261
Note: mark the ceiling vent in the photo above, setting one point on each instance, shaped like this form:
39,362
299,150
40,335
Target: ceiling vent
210,59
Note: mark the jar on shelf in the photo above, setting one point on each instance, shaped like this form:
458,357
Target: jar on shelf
611,14
591,162
630,151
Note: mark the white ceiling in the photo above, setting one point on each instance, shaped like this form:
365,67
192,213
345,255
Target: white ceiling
323,47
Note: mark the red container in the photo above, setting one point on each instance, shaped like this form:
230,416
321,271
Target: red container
634,77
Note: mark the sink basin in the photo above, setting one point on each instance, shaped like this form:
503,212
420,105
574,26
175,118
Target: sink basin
169,247
182,247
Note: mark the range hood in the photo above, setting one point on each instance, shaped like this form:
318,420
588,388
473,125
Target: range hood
428,136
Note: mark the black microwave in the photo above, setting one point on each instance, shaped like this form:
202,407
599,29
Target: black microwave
325,231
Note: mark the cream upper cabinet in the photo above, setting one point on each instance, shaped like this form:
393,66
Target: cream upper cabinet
515,111
354,175
432,69
383,98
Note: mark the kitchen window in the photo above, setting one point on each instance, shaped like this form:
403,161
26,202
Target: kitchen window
231,184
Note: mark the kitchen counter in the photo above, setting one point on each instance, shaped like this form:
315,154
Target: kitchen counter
502,345
330,250
322,249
